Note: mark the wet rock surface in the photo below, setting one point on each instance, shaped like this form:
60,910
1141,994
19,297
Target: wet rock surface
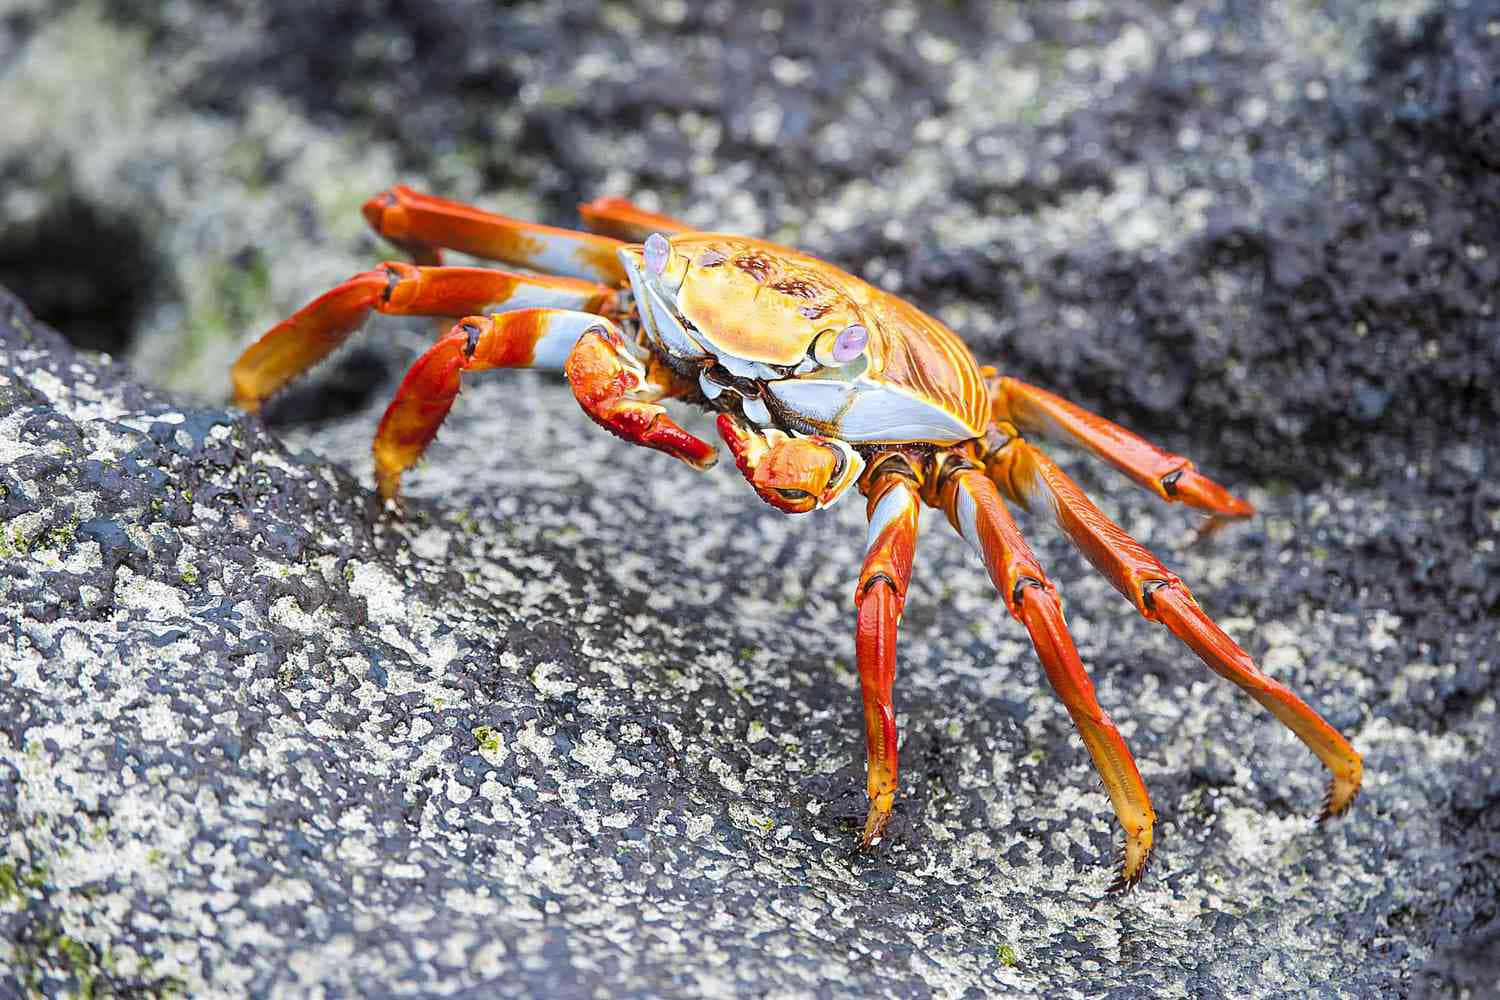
580,721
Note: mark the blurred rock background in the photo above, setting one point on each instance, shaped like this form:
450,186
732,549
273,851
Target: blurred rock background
1265,234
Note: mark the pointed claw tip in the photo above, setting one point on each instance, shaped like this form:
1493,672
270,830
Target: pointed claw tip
242,391
1333,806
387,488
876,822
1128,879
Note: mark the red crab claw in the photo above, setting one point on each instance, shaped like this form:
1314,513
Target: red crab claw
792,474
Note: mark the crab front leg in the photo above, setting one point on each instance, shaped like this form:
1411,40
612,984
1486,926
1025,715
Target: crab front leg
977,513
621,219
879,597
610,384
396,288
792,474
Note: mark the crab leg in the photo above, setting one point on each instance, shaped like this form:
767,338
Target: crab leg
619,218
1169,476
423,224
527,338
978,514
1159,595
395,288
610,383
879,597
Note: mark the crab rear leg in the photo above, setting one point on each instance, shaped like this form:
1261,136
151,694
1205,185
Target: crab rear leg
975,510
610,383
879,597
1159,595
395,288
1171,477
619,218
423,225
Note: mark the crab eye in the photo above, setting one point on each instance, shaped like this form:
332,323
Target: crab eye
834,348
657,250
850,343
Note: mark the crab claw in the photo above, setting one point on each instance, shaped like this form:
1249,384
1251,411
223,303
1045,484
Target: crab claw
792,474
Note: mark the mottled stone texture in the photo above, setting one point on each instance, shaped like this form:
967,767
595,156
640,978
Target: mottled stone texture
583,722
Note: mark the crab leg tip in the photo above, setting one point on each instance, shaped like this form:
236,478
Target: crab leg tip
1341,796
1136,859
1197,490
877,820
243,400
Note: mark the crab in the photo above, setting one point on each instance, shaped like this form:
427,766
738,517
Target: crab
821,384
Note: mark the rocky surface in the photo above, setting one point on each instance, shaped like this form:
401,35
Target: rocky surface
590,726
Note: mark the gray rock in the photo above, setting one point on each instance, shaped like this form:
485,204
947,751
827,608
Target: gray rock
580,721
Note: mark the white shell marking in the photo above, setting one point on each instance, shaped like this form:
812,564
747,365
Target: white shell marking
756,411
868,413
710,388
888,415
890,507
669,331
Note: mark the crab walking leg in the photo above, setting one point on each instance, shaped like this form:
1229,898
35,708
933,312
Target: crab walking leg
313,332
879,597
423,224
1159,595
619,218
978,514
527,338
1169,476
793,474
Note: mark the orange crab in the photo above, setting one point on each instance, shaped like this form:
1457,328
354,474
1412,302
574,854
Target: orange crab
821,382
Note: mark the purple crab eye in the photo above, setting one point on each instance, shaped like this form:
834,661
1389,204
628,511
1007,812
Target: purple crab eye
850,343
657,251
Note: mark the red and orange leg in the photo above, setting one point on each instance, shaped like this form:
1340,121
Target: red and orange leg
619,218
395,288
793,474
425,225
1034,480
979,515
611,384
1171,477
893,510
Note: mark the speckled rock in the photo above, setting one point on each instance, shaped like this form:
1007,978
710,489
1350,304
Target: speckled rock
589,725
